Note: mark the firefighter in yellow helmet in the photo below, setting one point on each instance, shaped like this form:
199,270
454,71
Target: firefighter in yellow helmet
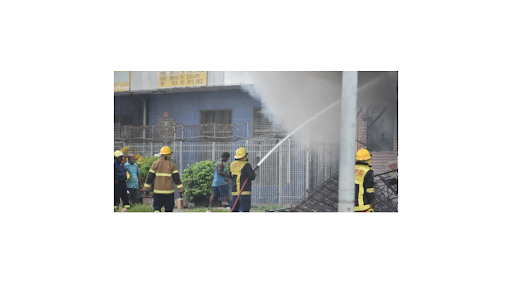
241,171
120,178
364,182
164,174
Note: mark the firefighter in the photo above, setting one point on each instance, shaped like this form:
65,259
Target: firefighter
120,178
164,173
241,171
364,182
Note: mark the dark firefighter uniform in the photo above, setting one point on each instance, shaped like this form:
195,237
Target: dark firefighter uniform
240,172
164,173
120,182
364,187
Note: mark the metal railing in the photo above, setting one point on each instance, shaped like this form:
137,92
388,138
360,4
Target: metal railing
182,132
287,177
284,178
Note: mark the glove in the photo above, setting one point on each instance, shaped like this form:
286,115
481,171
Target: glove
181,194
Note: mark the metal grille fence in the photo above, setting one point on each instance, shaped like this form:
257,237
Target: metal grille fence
181,132
285,177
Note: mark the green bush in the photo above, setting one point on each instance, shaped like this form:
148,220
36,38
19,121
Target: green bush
145,166
197,180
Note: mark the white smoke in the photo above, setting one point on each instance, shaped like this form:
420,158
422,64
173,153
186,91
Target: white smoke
291,98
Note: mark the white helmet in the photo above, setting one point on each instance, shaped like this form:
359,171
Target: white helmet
118,154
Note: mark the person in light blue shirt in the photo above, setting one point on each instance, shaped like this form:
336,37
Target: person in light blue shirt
133,185
220,187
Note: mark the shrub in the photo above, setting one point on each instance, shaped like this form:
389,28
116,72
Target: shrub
197,180
145,166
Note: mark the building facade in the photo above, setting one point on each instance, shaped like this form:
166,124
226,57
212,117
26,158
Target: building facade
168,99
220,100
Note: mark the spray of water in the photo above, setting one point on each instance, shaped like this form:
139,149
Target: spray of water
297,129
291,98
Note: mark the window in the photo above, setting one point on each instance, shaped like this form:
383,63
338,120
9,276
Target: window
381,129
216,116
213,130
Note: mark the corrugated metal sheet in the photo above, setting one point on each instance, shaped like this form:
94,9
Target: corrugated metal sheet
215,78
143,80
234,77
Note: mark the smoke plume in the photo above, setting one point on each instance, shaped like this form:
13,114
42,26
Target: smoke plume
291,98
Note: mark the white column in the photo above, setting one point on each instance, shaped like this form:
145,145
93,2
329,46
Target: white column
346,188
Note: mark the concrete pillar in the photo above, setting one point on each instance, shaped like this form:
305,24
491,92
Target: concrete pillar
346,188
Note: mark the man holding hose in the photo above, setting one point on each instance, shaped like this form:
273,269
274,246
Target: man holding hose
241,172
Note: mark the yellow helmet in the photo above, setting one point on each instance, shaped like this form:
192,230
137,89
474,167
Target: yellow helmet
363,155
165,150
118,154
240,153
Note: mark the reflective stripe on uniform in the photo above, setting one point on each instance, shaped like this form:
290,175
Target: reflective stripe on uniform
360,196
238,183
176,172
360,173
370,190
367,210
362,208
147,185
163,175
151,171
164,191
180,185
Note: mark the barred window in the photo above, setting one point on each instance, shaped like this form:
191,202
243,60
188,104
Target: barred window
216,116
381,128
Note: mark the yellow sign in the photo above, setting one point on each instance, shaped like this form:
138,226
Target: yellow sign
172,79
121,81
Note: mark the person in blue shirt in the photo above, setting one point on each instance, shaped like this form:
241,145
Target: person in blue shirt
120,182
220,186
133,184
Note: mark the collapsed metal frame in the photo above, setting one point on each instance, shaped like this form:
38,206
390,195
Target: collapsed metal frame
386,192
324,198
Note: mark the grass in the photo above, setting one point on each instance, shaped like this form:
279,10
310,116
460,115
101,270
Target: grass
141,208
149,208
203,209
262,208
